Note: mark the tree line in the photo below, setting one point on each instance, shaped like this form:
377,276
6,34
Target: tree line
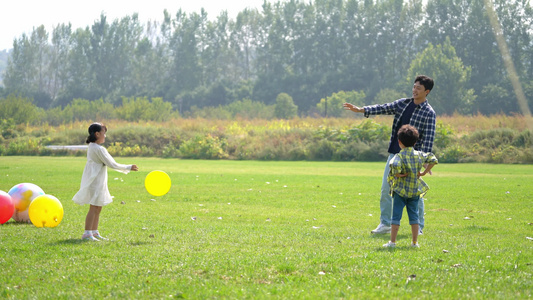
315,52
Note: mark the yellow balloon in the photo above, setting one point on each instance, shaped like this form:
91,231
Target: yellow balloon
157,183
45,211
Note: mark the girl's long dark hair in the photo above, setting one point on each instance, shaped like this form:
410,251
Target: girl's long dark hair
93,129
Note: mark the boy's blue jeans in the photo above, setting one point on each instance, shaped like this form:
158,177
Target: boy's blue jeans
385,202
412,209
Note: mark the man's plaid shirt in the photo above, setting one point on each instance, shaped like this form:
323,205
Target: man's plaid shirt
410,162
423,119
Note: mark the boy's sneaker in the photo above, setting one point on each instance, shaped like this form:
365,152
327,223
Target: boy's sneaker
98,236
88,237
420,232
415,245
389,244
381,229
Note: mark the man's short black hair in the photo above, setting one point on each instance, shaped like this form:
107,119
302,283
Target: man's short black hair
426,81
408,135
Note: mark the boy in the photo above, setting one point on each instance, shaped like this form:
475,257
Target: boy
406,184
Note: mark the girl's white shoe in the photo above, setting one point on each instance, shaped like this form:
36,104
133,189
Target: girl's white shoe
99,237
88,237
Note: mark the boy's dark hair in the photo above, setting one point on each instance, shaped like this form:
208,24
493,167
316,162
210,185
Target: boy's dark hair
93,129
426,81
408,135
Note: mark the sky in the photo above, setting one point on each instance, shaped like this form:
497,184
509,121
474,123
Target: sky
22,16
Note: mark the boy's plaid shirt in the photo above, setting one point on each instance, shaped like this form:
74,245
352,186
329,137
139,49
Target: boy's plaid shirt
423,119
410,162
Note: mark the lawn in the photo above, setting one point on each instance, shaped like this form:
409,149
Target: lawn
256,229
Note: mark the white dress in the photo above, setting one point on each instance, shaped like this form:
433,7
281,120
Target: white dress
93,188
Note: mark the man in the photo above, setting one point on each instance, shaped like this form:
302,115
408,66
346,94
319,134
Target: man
414,111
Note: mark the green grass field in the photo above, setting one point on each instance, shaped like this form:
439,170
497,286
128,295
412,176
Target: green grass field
287,230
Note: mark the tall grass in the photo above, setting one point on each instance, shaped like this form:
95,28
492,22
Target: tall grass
282,230
357,139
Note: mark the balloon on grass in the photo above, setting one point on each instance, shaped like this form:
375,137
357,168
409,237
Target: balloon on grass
22,195
7,207
157,183
45,211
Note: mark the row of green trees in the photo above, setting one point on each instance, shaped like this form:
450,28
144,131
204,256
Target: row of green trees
308,50
19,111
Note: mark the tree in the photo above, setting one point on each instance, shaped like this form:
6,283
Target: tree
478,47
185,72
20,66
285,107
388,95
273,55
79,81
27,69
452,92
495,99
41,49
215,54
61,47
335,101
243,43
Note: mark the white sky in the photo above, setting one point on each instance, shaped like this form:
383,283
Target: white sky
21,16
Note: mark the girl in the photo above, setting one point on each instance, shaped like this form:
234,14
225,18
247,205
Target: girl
93,189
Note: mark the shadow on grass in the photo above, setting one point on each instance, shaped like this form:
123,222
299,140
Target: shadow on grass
13,223
406,247
386,236
77,241
71,242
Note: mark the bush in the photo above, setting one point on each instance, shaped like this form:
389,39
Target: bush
505,154
143,109
8,129
204,147
146,136
119,150
369,131
20,110
171,150
322,149
444,135
248,109
492,138
79,110
336,100
523,139
453,154
362,151
285,107
24,146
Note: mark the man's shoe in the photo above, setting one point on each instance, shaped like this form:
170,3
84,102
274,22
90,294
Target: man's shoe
381,229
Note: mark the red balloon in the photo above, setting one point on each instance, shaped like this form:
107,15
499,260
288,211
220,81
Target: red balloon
7,207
